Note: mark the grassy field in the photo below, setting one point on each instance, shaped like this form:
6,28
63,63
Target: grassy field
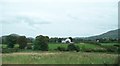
53,46
82,46
58,58
110,44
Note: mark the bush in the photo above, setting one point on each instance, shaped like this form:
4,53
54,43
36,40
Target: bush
9,50
77,48
118,50
72,47
116,45
88,50
99,50
61,48
111,49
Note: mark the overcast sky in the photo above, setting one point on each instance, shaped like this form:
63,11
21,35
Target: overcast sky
62,18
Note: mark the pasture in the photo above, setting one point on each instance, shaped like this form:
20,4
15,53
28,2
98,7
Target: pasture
59,57
53,46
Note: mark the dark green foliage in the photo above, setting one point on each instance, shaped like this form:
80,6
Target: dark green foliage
44,47
56,40
88,50
61,48
99,50
78,40
111,49
71,39
11,40
119,50
59,40
72,47
30,40
22,41
77,48
9,50
116,45
41,43
0,40
53,40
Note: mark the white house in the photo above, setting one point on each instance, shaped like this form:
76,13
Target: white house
67,41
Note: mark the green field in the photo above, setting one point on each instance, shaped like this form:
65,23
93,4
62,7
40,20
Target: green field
82,46
57,57
53,46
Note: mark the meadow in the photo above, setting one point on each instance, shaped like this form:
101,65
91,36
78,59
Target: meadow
60,57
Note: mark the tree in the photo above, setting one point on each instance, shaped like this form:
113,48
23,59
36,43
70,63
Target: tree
4,39
22,41
71,39
41,43
11,41
59,40
30,40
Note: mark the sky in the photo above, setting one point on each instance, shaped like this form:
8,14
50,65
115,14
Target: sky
58,18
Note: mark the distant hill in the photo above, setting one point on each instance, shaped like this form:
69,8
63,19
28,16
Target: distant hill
110,34
15,35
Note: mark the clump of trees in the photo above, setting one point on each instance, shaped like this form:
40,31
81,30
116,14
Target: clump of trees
11,41
22,41
70,47
41,43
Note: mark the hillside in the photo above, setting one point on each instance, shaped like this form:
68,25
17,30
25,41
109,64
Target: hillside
110,34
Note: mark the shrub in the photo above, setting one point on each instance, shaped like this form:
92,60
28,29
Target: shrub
9,50
72,47
77,48
99,50
118,50
61,48
88,50
111,49
116,45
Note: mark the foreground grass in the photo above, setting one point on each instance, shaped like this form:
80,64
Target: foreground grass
58,58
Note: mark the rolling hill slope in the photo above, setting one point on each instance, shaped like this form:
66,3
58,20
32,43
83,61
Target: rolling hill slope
114,34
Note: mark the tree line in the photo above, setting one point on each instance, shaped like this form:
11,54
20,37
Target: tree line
39,43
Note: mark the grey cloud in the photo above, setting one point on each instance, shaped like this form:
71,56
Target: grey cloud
18,19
